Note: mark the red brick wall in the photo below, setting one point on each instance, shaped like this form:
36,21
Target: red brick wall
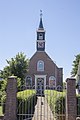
11,99
49,66
71,108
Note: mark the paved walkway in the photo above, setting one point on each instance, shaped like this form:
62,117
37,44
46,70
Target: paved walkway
42,110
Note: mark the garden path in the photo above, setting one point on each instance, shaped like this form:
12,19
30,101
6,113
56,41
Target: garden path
42,110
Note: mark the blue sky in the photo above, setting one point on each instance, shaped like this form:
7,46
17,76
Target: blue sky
19,20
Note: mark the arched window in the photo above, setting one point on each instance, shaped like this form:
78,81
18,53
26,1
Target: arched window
40,65
28,80
40,36
52,82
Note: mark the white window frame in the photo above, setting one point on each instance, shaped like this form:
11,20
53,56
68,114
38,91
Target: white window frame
40,76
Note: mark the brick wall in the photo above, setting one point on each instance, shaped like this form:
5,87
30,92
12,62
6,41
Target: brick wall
71,109
11,99
50,67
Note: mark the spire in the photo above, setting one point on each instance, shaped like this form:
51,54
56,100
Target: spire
41,23
40,35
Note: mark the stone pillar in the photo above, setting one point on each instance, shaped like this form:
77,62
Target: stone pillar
71,106
11,99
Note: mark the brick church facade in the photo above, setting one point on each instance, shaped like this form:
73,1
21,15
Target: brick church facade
43,72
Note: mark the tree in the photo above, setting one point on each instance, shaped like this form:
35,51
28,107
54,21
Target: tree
17,66
3,84
75,65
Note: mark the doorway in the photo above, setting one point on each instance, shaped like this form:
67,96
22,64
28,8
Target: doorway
40,86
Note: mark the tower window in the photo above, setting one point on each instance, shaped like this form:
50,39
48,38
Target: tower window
40,65
40,36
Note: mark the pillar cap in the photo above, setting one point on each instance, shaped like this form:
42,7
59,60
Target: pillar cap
70,79
11,77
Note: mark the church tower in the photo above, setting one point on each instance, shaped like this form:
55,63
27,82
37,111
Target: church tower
43,72
40,36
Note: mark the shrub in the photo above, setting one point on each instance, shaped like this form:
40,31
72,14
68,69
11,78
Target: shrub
26,103
56,101
26,100
60,105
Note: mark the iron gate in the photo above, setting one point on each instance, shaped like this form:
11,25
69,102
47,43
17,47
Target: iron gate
40,104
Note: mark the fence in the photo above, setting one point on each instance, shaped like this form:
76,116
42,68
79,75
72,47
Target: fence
41,105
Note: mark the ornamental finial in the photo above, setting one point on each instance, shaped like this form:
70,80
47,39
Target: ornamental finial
41,23
41,14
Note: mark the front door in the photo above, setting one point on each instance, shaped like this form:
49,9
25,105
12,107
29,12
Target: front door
40,86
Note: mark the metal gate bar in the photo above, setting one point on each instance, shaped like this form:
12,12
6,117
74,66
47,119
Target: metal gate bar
42,106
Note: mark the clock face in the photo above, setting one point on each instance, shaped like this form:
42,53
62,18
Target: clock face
40,44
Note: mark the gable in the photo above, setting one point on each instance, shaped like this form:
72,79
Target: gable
41,55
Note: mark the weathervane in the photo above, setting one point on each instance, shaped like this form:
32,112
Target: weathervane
41,14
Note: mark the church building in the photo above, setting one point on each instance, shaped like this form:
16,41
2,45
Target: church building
43,72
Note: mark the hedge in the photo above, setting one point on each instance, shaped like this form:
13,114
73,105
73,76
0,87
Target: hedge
26,101
56,101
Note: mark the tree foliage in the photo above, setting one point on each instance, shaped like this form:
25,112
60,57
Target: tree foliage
3,84
17,66
75,65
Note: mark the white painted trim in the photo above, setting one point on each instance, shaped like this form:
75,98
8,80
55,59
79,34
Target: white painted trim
42,30
40,76
38,67
40,41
